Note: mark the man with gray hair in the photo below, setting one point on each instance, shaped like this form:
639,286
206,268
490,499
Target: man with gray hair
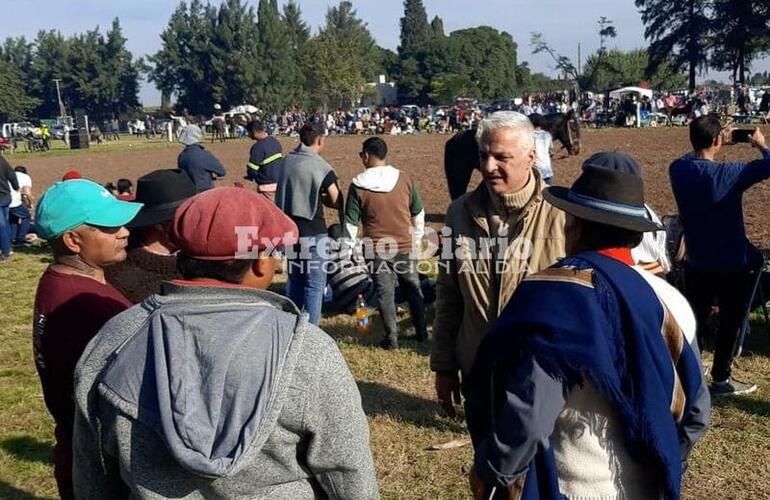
501,232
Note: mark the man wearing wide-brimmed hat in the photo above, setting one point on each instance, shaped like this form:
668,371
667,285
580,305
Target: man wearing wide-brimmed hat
590,384
151,256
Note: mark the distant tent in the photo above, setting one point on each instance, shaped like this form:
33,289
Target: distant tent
641,92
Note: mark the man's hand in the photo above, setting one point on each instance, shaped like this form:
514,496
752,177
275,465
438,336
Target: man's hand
727,135
758,139
448,392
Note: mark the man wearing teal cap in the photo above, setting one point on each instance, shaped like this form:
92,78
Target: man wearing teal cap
84,225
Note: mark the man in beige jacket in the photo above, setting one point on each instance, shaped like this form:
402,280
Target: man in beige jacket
500,233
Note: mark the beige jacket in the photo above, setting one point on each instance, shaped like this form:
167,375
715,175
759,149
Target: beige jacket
469,296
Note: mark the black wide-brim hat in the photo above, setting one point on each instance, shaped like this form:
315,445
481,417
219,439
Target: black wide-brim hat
605,196
162,192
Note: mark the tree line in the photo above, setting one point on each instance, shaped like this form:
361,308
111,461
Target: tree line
231,54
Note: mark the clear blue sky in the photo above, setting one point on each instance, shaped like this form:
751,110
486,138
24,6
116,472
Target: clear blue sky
565,23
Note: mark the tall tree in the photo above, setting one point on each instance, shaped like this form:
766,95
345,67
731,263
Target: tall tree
296,27
415,30
209,55
617,68
739,35
52,53
15,103
679,31
341,59
487,57
279,84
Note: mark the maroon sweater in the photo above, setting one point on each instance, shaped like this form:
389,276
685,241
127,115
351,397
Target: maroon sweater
69,311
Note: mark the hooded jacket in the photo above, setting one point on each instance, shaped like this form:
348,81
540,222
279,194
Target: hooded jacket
218,392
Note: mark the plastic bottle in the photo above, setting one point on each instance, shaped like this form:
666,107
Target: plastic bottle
363,323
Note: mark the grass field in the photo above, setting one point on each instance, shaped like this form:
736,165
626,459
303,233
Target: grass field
733,461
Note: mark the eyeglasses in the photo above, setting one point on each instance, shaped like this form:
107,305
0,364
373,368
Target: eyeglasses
106,230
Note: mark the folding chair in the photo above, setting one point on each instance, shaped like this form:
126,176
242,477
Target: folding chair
758,299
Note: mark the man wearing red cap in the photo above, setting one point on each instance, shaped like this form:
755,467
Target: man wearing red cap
217,388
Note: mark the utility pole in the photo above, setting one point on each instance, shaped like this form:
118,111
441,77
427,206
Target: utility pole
578,60
62,111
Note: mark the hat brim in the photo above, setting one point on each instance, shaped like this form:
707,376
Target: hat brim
149,216
557,196
114,213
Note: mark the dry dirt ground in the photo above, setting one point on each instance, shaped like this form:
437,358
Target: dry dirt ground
421,156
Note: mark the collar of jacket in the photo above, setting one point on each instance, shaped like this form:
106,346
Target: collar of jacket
477,201
191,291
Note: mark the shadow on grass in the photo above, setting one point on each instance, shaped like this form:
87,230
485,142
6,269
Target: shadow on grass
28,449
35,249
379,399
746,404
8,492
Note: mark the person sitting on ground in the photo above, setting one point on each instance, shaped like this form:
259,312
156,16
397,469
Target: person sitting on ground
151,257
720,263
125,190
22,202
348,274
196,161
84,225
543,148
590,384
387,202
265,159
217,388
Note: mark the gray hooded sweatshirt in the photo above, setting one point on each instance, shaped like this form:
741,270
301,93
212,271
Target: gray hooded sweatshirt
218,392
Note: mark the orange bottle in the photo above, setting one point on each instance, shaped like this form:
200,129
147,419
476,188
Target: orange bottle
363,323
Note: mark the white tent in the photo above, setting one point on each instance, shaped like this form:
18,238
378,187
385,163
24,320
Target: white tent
243,108
619,93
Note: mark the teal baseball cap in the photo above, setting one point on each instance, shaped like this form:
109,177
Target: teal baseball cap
69,204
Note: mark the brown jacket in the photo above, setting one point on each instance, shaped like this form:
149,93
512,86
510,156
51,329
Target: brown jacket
465,294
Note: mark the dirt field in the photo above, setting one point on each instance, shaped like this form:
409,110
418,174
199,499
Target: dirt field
422,156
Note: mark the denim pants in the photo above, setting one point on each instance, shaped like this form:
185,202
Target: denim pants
307,276
20,219
5,227
401,269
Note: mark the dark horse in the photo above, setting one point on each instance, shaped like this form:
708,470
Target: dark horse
461,153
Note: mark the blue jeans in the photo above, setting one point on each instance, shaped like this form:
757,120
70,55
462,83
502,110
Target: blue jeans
5,228
307,277
20,220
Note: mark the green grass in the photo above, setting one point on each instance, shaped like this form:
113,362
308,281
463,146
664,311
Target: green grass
733,461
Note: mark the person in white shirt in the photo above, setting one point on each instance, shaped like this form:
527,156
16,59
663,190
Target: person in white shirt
19,210
543,148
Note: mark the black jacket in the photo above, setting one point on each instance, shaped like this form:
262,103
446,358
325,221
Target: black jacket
8,180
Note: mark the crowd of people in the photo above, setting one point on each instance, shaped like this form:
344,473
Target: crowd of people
171,371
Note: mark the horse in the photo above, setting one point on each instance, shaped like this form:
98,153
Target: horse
677,111
461,152
219,127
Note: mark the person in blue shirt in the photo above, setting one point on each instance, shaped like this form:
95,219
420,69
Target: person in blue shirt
721,263
202,166
265,159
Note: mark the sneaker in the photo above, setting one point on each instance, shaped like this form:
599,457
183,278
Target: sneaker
731,388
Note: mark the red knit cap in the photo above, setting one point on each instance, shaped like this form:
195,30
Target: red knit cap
228,223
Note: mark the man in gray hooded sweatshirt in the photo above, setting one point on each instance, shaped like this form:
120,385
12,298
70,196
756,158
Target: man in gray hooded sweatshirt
216,388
